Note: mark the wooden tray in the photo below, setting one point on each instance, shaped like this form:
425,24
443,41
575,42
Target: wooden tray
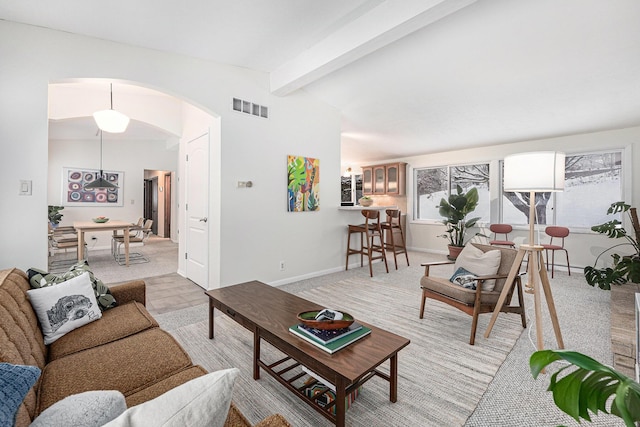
308,318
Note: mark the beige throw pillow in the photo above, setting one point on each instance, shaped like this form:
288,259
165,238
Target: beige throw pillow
201,402
479,263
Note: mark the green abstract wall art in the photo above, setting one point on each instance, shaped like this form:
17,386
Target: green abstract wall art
303,184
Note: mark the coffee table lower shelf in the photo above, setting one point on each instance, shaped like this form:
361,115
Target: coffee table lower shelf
325,411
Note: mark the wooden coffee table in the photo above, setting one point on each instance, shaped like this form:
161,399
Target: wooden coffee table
268,312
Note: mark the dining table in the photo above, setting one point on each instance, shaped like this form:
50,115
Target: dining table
111,225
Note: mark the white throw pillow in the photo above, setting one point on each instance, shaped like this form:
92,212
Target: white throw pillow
203,401
64,307
480,263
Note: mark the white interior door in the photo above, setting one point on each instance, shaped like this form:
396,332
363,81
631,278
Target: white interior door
196,207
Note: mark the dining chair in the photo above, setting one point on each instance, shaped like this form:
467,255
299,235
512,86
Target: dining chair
556,232
60,239
504,230
134,257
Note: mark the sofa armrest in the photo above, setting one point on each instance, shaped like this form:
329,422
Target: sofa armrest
130,291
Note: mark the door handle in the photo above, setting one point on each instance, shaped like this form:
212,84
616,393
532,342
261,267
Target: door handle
203,219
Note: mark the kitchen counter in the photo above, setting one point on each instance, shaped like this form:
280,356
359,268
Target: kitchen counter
359,208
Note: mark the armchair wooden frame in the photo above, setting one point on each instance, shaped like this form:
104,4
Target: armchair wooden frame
478,306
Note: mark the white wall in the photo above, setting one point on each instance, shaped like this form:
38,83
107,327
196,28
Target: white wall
255,230
583,247
129,156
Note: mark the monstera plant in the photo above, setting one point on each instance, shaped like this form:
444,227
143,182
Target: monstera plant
588,388
625,268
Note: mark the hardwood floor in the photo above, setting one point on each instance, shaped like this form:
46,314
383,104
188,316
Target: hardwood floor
172,292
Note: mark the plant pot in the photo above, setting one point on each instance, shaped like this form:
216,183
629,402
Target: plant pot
454,251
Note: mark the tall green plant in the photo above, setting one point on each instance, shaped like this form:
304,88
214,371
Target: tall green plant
589,387
626,268
455,210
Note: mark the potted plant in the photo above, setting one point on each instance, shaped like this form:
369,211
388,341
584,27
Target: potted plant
455,209
625,268
54,215
589,387
365,201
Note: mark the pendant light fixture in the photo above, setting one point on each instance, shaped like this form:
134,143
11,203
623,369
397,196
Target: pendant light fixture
100,182
111,120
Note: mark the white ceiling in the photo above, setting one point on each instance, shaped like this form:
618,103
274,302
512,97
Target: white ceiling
409,76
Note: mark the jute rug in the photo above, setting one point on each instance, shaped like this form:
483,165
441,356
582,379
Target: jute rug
441,377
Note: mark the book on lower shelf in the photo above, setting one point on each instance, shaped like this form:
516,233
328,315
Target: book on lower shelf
324,393
332,346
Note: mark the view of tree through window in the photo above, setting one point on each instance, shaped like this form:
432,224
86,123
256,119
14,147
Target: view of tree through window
470,176
433,184
592,183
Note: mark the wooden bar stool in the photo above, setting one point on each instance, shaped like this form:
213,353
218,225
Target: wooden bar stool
368,231
390,226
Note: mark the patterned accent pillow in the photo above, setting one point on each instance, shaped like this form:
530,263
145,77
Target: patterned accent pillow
64,307
15,383
464,278
40,279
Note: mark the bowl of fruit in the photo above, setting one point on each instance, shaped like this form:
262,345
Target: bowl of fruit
101,219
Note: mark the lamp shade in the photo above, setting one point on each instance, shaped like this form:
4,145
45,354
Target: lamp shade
540,171
99,182
111,121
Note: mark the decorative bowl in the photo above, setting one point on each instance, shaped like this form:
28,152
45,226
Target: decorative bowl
100,220
365,202
309,319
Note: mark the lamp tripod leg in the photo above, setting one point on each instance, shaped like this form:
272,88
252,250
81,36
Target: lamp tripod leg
546,287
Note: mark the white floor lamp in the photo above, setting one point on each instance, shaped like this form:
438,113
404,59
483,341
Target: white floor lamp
541,171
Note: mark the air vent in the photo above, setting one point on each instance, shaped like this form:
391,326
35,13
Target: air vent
247,107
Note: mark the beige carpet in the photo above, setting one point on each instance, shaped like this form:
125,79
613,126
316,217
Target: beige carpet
441,377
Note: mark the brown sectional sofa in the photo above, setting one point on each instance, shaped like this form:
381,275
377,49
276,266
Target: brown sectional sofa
125,350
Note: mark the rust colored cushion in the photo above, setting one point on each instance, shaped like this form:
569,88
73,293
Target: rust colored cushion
116,323
127,365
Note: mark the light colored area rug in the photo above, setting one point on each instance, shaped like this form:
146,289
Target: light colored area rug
514,398
441,377
443,381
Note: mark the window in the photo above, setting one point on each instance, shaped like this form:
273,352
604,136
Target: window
432,184
592,182
350,186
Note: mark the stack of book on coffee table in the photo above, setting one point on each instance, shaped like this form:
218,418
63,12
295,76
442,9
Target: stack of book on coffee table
330,340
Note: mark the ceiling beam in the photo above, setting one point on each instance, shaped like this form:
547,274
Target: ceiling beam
386,23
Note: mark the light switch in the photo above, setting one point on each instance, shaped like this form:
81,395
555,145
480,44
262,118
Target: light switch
25,188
